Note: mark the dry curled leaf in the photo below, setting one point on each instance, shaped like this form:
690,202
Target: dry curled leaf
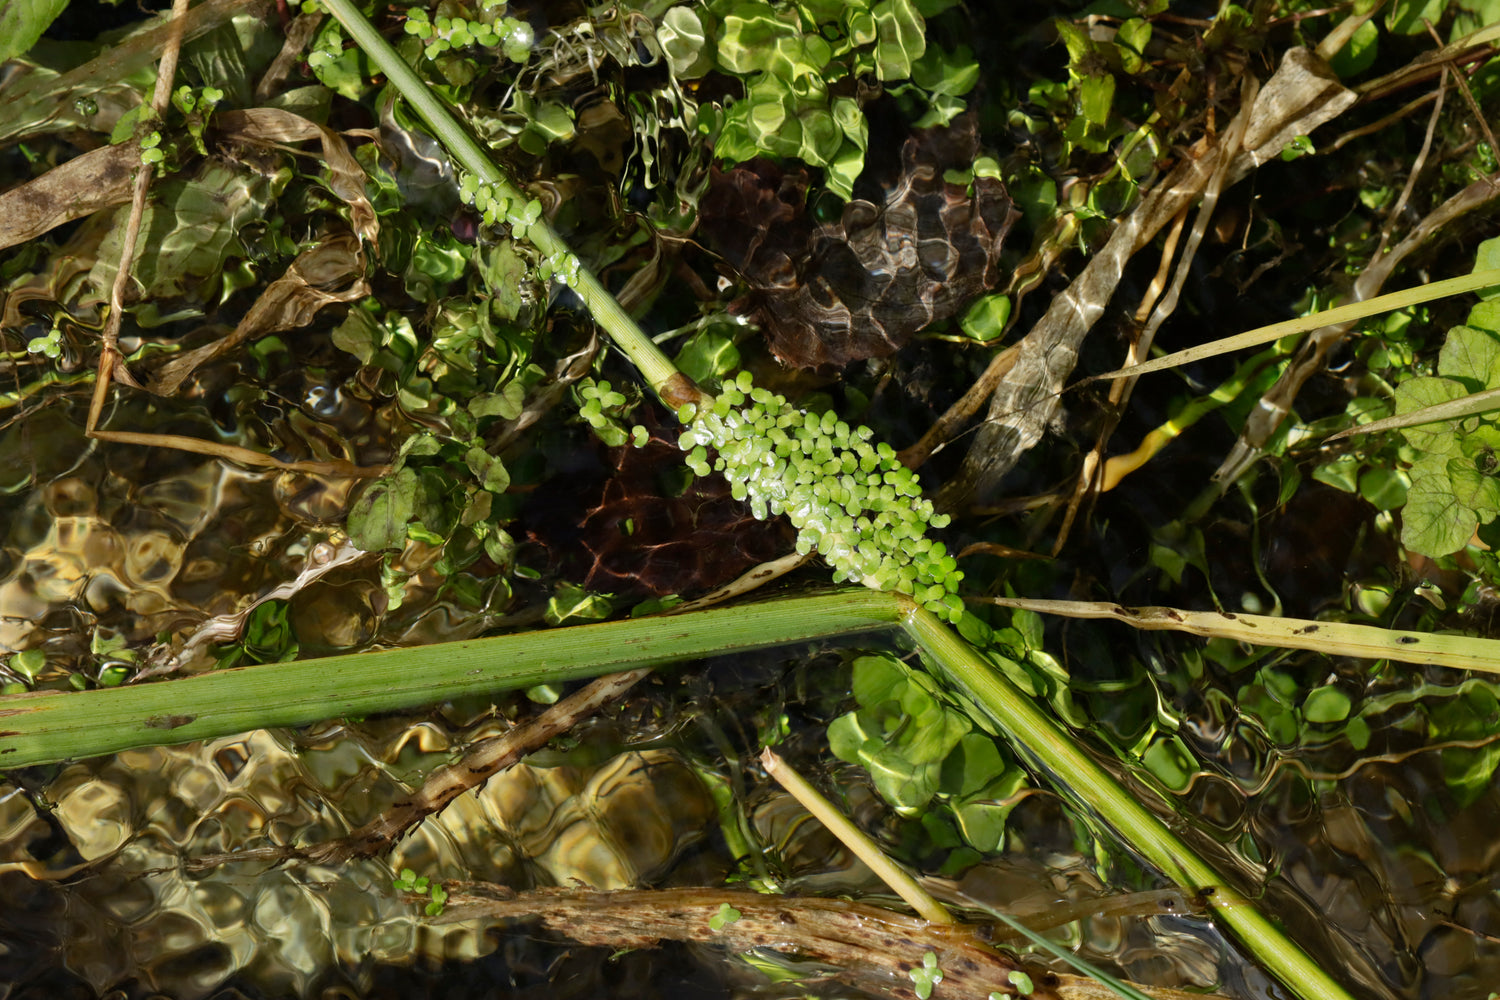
81,186
270,126
332,271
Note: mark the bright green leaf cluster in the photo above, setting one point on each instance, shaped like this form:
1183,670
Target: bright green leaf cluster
923,753
848,498
725,916
603,407
563,267
512,36
925,976
796,60
496,206
409,882
50,344
1454,488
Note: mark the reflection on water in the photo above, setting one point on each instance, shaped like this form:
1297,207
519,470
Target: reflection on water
1369,855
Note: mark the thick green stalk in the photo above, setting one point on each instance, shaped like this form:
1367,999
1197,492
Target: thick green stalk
654,366
1060,753
46,727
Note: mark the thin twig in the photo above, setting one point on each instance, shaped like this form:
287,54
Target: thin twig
852,837
111,364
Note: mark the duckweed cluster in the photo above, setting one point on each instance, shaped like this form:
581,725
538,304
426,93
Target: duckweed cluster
848,498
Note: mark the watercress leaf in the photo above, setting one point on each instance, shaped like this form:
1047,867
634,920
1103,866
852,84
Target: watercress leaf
1410,17
942,72
359,334
1475,488
1096,95
1358,53
1326,704
1472,357
751,38
708,354
574,604
1131,41
1434,522
1426,390
900,38
379,517
505,404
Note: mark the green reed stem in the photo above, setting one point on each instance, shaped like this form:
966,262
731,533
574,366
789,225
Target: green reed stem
654,366
51,726
1060,752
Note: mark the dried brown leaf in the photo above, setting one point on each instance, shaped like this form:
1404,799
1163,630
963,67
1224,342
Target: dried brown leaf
332,271
272,126
97,179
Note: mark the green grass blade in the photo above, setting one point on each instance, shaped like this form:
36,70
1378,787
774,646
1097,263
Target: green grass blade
1389,302
46,727
1369,642
648,359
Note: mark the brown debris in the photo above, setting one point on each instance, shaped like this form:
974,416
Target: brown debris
100,178
867,947
860,287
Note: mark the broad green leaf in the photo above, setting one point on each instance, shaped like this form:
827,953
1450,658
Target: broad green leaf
972,765
22,23
189,230
686,36
1385,489
505,404
1326,704
1410,17
942,72
708,355
1433,522
1471,356
752,38
900,38
1474,487
359,334
506,274
1172,763
576,605
489,469
1131,41
986,318
1426,390
379,517
1096,95
1358,54
1488,257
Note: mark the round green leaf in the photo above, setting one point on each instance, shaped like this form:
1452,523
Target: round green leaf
1326,704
